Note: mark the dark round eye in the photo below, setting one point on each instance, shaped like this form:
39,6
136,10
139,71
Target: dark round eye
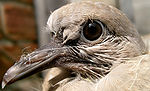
92,30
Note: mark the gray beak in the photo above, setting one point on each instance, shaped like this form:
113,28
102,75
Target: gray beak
34,62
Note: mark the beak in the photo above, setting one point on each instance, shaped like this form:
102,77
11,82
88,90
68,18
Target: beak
34,62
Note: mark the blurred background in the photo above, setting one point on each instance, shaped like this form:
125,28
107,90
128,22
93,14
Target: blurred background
22,24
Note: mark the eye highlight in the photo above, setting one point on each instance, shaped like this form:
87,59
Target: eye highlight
92,30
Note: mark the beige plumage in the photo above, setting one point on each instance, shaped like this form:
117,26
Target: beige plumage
130,76
94,48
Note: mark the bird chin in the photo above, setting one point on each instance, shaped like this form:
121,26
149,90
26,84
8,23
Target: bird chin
32,63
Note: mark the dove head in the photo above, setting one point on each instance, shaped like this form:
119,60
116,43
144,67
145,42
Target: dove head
70,20
88,38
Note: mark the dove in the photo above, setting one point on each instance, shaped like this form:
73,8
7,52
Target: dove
93,47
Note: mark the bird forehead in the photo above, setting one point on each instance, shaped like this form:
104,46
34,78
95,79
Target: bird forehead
77,13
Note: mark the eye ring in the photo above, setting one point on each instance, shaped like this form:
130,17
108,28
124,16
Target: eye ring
92,30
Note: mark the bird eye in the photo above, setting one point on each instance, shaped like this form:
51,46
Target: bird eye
92,30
